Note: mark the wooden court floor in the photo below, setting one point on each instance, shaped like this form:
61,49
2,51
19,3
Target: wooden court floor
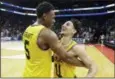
13,60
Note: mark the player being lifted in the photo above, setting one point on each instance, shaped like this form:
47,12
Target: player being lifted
62,69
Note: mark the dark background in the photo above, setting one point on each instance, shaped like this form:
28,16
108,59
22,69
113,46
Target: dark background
101,24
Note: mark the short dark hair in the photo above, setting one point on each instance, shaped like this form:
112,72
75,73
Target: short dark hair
77,24
43,7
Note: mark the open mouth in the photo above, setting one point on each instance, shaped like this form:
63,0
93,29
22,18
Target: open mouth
63,29
62,32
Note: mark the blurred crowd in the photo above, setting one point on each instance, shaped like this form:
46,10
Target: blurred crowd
91,31
13,26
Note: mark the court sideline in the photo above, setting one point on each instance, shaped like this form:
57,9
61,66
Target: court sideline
12,60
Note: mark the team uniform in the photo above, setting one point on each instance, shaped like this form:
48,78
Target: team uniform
64,70
38,61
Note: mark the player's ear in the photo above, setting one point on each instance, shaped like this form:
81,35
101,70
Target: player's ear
44,15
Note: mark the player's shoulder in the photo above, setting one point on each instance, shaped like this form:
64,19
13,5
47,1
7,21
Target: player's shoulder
75,47
48,33
78,48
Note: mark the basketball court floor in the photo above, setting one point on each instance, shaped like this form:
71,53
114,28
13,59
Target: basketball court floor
13,60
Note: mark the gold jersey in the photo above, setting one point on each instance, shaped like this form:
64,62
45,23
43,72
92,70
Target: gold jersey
38,61
63,69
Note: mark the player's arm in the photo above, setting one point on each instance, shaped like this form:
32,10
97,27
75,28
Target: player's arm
79,64
52,40
86,60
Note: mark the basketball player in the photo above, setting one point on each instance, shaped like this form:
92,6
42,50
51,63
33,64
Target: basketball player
39,40
63,69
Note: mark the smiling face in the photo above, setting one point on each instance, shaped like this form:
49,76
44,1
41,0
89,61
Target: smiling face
45,13
68,28
49,18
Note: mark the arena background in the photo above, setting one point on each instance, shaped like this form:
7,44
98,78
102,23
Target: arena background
97,32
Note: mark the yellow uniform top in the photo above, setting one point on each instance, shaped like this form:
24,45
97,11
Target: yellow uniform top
63,69
38,61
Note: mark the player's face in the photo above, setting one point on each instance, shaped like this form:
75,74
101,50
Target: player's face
68,28
50,18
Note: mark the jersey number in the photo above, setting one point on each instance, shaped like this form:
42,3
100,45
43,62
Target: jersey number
58,70
25,46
